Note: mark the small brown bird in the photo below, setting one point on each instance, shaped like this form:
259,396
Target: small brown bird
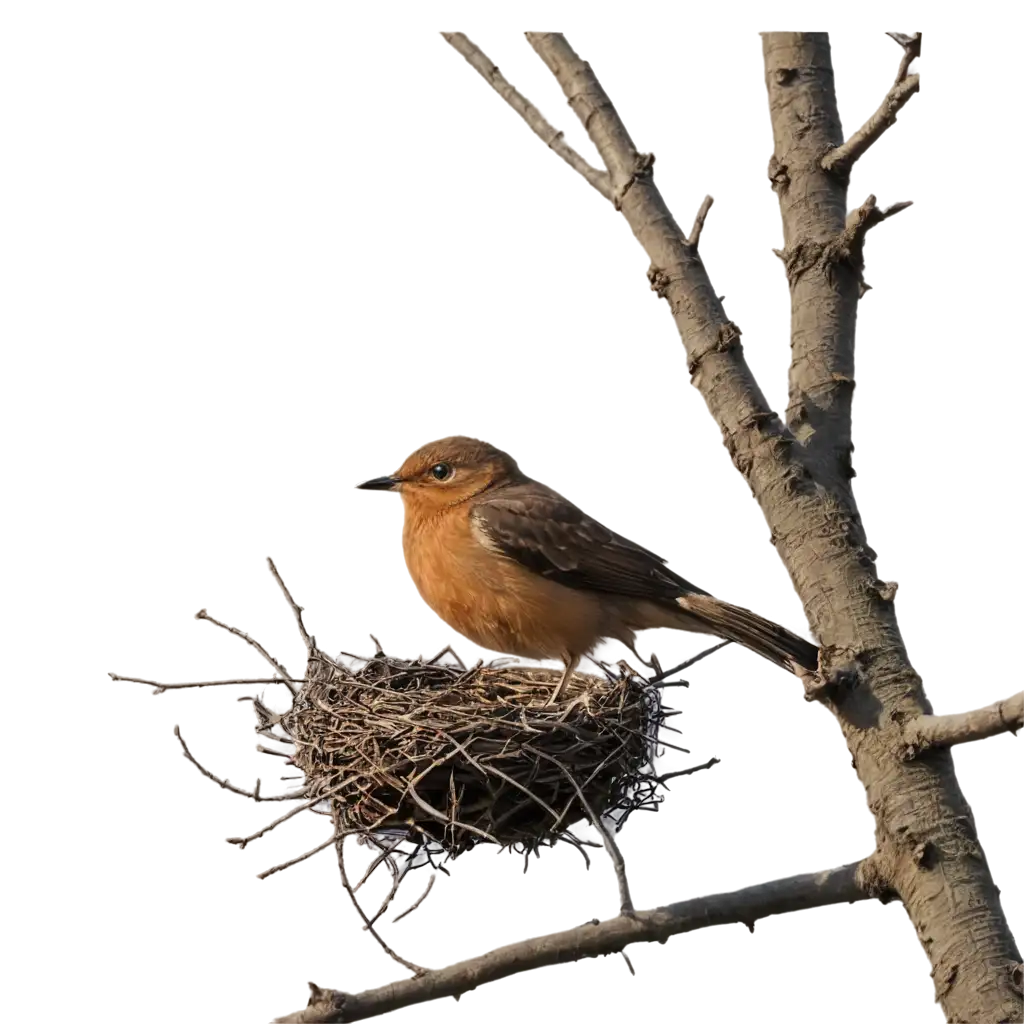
518,569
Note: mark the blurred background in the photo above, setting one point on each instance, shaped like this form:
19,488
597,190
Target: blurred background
253,254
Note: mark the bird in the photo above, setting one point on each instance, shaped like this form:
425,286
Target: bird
509,563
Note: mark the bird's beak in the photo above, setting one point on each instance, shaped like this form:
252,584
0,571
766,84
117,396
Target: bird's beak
380,483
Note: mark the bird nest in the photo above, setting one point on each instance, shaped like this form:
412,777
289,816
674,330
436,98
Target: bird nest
447,757
422,760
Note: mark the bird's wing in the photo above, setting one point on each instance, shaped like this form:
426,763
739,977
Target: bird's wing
550,536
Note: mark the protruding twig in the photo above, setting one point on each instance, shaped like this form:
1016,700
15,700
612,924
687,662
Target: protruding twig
594,938
552,137
662,779
339,844
840,161
242,843
926,731
625,900
426,893
254,794
159,688
296,860
306,638
698,224
286,675
656,680
860,221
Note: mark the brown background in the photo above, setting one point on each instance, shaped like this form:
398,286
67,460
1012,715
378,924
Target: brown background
246,257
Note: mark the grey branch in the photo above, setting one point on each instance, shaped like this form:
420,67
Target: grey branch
847,884
552,137
285,674
926,731
840,160
296,609
822,285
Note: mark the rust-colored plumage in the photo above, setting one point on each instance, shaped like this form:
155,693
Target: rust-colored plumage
517,568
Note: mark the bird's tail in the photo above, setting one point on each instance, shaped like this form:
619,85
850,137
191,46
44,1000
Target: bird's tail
760,635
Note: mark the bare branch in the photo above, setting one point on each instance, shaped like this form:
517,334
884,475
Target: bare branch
551,136
751,431
426,893
309,641
821,293
840,160
686,664
159,688
295,860
923,732
745,906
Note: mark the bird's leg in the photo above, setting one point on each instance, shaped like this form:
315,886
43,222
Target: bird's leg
570,667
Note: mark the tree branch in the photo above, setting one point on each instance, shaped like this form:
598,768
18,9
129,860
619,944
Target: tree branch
923,732
551,136
824,289
285,674
840,161
928,851
847,884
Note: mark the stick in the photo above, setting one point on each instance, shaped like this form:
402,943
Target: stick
814,887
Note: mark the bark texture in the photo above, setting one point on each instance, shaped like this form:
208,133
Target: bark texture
823,273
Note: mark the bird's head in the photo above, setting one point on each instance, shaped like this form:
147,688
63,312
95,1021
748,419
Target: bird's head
447,472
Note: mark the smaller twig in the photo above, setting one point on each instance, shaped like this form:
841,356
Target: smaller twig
339,844
926,731
419,899
242,843
397,874
551,136
296,860
847,247
840,161
224,784
296,610
625,900
629,964
287,677
656,680
159,688
376,862
662,779
698,224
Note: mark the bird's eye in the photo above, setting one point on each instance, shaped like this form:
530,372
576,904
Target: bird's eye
441,471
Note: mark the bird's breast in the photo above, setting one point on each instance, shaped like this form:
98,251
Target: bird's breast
490,598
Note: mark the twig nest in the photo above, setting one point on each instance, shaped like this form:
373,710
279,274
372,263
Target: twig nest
448,757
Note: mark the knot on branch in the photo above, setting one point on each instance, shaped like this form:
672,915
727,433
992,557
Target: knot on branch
728,337
887,590
778,175
324,1001
1016,976
642,164
875,877
845,249
659,281
839,672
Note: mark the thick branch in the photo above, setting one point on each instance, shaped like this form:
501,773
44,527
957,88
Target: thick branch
924,732
847,884
824,288
928,850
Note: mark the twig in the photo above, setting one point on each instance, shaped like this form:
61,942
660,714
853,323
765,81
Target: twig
698,224
287,677
339,843
551,136
625,900
161,687
662,779
224,784
802,892
926,731
686,664
426,893
296,860
840,161
296,610
243,843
